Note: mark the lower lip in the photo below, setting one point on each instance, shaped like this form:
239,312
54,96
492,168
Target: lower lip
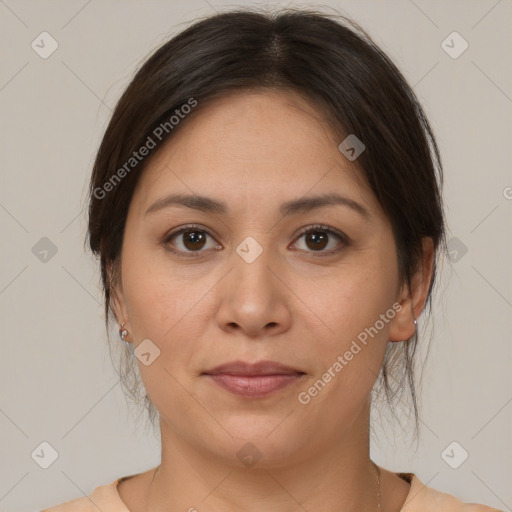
254,385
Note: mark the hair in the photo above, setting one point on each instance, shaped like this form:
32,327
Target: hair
335,65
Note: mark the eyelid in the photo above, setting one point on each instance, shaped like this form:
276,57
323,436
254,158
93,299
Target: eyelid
326,229
187,227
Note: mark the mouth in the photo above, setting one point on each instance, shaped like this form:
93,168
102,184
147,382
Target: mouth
254,380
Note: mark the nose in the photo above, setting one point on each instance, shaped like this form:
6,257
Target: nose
254,298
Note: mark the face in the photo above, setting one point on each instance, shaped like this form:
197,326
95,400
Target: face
259,272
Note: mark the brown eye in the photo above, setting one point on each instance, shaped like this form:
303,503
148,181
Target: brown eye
189,240
318,238
193,240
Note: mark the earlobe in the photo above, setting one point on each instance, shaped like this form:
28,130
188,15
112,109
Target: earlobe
120,313
413,297
402,327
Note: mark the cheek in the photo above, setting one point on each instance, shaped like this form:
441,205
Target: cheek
155,294
163,307
350,299
352,340
166,304
348,360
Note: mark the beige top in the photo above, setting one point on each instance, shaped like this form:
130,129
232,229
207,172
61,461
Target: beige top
420,499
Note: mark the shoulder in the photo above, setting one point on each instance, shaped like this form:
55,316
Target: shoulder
104,498
425,499
78,505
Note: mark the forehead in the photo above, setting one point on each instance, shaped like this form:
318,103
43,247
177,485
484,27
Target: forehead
253,144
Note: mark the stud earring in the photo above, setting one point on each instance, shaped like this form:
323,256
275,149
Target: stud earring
123,332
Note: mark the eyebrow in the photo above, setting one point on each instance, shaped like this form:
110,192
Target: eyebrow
295,206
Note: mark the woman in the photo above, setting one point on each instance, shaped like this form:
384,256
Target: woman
266,208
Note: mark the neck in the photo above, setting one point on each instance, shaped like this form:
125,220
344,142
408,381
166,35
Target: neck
337,475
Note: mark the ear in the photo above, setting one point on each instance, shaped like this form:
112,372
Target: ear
117,301
412,300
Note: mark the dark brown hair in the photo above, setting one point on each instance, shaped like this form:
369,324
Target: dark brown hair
335,65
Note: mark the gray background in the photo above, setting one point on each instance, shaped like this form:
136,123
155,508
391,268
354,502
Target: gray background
57,381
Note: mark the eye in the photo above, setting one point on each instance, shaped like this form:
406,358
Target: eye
189,239
317,238
193,239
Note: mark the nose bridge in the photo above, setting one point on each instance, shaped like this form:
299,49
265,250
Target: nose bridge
251,260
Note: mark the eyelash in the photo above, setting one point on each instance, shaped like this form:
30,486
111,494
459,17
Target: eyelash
344,239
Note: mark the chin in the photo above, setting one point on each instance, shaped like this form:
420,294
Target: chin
261,442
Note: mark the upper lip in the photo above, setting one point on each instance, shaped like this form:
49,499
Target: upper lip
259,368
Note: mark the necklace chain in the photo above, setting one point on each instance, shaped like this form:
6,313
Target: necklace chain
377,474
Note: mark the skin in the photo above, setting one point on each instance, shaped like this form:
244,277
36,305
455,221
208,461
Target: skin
254,151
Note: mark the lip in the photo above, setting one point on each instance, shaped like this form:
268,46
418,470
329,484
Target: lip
254,379
259,368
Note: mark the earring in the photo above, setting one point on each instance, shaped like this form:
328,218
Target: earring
123,332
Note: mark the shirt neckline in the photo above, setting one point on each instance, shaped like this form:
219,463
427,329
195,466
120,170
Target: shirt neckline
410,478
